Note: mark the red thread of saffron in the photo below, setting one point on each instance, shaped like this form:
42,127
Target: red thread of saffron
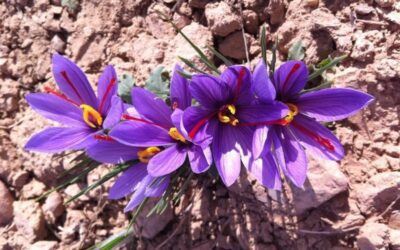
65,76
56,93
321,140
103,99
132,118
292,71
103,138
200,124
242,72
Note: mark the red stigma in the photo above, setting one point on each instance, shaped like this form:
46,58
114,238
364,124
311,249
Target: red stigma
200,124
319,139
66,78
292,71
239,84
103,99
103,138
132,118
61,95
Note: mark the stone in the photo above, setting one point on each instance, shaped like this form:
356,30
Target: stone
250,21
201,4
53,206
373,235
221,26
45,245
394,239
29,219
151,226
58,44
394,220
33,189
311,3
276,10
363,50
6,205
385,3
394,17
378,192
324,181
233,46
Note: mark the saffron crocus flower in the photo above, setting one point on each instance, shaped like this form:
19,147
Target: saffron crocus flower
300,129
135,180
159,127
75,106
226,116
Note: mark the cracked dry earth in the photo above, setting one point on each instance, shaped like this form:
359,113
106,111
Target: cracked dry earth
352,204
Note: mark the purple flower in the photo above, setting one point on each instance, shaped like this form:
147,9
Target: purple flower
226,116
158,126
76,107
283,142
135,180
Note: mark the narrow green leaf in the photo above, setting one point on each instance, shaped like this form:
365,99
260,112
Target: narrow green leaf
273,60
296,52
325,65
115,171
114,240
203,57
264,44
182,190
158,82
185,74
191,65
226,61
125,85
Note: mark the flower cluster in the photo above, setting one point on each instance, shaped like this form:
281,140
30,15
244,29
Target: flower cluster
262,122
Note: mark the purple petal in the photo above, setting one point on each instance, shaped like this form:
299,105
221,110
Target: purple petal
316,138
151,107
107,88
266,171
262,86
56,109
140,134
158,188
126,183
238,78
115,112
226,155
244,138
72,81
290,78
260,138
333,104
209,91
52,140
139,193
200,125
177,120
180,95
295,166
110,151
198,160
167,161
261,113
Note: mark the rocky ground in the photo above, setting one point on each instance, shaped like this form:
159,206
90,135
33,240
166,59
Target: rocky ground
346,205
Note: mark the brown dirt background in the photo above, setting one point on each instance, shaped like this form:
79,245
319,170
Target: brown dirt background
353,204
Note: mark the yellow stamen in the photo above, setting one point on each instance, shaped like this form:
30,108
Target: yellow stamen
293,111
234,122
91,116
174,133
231,108
223,118
146,154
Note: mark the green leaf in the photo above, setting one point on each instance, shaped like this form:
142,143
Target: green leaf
296,52
226,61
191,65
264,45
325,65
202,56
158,82
125,85
114,172
273,60
114,240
